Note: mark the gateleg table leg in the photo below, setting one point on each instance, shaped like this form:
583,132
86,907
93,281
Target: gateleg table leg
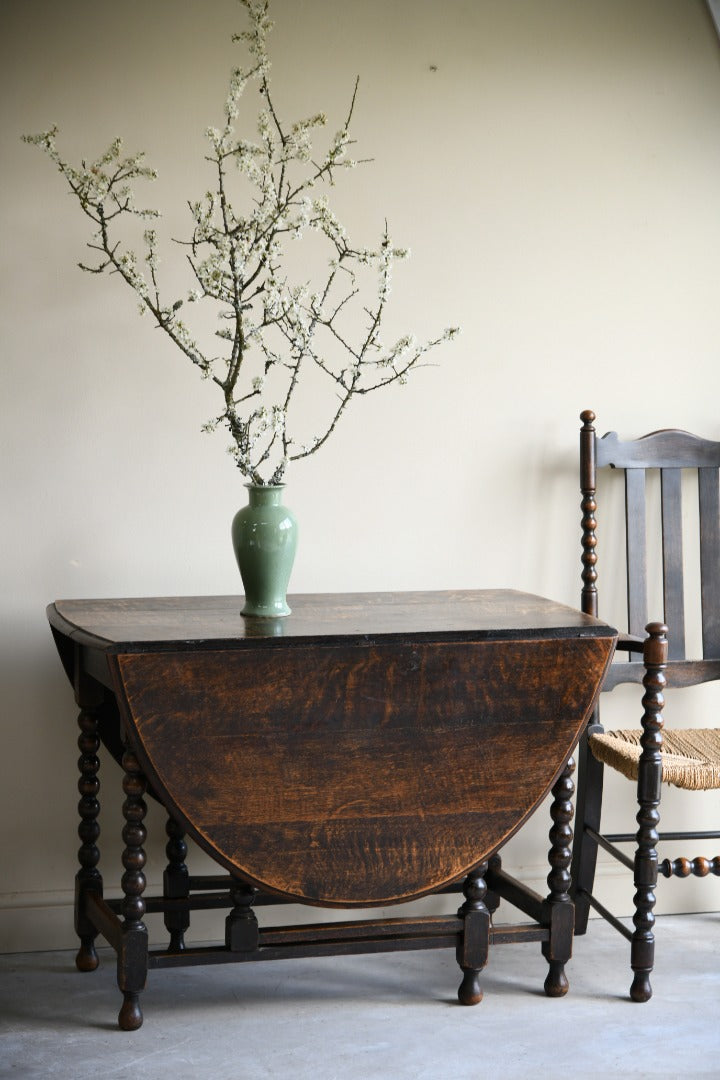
492,900
176,884
474,946
559,910
241,925
132,961
88,878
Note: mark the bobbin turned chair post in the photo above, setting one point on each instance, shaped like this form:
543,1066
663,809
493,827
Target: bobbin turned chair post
655,656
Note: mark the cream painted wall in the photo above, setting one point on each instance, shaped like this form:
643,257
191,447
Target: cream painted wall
555,168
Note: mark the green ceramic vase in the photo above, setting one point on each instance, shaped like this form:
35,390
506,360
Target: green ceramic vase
264,535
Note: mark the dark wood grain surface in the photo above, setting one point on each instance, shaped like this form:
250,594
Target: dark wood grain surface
368,749
359,774
119,624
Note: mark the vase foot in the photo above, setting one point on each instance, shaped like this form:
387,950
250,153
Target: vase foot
266,613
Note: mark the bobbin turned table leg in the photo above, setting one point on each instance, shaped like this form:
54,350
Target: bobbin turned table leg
559,910
242,933
474,946
491,898
88,878
176,881
132,961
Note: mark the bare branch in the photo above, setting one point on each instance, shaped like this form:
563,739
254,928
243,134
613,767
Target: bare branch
274,329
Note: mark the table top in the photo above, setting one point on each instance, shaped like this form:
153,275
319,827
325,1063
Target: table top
150,624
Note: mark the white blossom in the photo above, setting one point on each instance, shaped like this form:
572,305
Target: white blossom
327,323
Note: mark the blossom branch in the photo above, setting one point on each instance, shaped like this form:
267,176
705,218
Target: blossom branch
235,262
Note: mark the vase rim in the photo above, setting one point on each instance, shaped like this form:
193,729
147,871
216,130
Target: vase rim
264,487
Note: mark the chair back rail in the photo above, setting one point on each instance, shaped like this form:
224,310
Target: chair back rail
666,449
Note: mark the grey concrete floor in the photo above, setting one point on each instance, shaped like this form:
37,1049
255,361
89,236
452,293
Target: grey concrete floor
383,1017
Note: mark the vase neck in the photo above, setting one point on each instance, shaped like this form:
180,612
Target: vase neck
265,494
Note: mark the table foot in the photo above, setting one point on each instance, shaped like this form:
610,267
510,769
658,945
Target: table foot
87,957
177,941
556,984
470,991
641,990
130,1017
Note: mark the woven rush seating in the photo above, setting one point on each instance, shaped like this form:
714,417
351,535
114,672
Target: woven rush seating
690,759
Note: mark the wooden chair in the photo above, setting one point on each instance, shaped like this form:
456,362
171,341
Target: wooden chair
656,657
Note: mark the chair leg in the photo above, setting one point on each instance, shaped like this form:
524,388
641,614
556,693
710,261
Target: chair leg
642,952
588,807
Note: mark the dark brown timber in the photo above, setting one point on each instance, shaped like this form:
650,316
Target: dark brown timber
366,751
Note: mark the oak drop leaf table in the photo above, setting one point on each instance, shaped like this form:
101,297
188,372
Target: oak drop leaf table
366,751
